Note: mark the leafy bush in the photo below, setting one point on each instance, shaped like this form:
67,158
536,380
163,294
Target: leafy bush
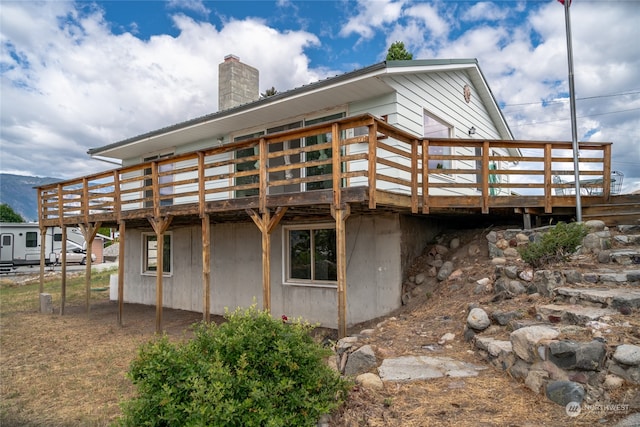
555,245
250,371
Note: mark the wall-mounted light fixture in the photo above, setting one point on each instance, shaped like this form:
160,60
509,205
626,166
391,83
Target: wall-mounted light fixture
472,130
220,140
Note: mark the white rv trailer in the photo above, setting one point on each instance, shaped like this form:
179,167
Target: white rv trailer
20,244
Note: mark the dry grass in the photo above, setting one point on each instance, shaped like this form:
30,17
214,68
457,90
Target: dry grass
70,370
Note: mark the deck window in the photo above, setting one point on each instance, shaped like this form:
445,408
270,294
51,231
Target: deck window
31,239
311,255
435,128
150,254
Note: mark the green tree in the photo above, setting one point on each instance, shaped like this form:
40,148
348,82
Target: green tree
397,52
269,92
7,214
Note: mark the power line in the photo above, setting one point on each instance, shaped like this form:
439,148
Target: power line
562,101
580,117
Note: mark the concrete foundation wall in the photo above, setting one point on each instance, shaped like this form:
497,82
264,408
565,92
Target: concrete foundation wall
376,245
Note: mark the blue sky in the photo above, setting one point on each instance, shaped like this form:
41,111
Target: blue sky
79,75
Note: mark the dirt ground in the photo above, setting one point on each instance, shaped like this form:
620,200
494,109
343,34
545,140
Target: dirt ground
70,370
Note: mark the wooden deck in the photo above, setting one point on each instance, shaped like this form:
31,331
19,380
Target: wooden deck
360,160
360,163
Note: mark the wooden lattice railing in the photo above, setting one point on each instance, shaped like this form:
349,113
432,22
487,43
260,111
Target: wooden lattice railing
395,167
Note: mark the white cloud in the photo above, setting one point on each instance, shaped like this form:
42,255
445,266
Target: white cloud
373,15
485,11
74,85
193,5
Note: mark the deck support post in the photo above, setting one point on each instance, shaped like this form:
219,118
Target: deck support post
266,223
89,232
63,273
121,256
160,226
340,215
43,260
206,268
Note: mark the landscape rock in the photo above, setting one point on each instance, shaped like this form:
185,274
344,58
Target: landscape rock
504,317
565,392
408,368
445,271
572,355
360,361
525,339
595,225
627,354
370,381
535,380
478,319
612,382
632,420
454,243
511,253
547,280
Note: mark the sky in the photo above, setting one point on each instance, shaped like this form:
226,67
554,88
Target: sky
80,75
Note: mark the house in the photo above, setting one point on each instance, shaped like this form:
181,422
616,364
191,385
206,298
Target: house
314,201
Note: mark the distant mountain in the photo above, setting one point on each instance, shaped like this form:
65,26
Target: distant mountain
18,192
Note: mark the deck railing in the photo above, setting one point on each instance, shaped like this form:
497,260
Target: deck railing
394,167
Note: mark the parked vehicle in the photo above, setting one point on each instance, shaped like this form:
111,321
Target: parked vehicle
20,244
75,256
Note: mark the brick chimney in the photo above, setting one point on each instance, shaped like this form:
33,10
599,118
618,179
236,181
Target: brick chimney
237,83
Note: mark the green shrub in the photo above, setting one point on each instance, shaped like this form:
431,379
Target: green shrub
251,370
556,245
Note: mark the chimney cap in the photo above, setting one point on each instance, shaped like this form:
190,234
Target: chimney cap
231,57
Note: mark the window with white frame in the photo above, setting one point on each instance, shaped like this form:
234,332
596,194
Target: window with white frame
310,254
435,128
150,254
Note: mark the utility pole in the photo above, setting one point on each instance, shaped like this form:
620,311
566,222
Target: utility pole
572,103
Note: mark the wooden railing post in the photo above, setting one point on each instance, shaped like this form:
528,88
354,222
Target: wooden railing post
264,176
414,176
373,160
425,176
606,172
336,158
201,184
485,177
548,208
117,195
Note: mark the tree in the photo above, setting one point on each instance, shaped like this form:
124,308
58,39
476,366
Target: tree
269,92
397,52
7,214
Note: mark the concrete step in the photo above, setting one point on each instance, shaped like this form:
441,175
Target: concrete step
615,298
572,313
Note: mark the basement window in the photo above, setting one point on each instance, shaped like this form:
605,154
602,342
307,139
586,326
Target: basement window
150,254
310,255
